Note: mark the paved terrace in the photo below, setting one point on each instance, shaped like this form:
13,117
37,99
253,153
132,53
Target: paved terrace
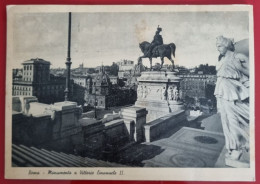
200,146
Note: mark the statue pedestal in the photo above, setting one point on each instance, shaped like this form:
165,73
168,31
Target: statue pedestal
243,162
158,92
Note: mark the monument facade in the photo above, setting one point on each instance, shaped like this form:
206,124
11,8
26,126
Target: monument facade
158,92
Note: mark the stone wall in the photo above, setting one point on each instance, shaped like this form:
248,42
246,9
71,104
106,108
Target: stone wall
30,130
54,126
156,128
103,139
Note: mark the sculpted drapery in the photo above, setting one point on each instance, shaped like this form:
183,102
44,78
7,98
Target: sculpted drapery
232,93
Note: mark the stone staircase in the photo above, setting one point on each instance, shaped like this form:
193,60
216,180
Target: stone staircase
23,156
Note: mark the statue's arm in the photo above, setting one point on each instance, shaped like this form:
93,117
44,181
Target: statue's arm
242,63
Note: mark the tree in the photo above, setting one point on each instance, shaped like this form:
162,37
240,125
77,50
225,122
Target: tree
206,69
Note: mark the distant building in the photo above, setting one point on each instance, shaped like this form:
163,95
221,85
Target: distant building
183,70
126,67
197,85
58,71
17,74
81,70
102,93
37,81
80,80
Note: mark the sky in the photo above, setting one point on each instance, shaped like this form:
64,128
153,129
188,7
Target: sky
110,37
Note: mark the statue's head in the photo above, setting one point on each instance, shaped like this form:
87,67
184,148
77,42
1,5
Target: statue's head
159,29
223,44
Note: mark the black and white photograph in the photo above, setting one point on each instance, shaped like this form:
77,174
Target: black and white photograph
130,92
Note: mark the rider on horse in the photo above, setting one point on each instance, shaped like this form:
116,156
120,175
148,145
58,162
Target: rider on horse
157,40
157,49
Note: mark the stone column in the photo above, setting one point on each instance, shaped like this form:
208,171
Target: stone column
138,115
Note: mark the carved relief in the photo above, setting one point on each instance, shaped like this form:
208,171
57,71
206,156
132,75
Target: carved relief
139,91
150,91
180,94
175,94
170,94
163,90
145,92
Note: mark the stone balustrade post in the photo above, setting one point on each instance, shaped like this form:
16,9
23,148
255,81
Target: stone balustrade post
135,119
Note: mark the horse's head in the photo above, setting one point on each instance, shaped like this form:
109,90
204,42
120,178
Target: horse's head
144,46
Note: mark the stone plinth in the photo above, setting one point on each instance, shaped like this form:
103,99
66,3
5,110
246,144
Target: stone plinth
158,92
135,119
243,162
236,163
68,115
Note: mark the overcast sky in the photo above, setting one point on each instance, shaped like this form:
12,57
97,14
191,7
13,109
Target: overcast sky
111,37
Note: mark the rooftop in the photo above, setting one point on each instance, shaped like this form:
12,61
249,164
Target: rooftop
36,61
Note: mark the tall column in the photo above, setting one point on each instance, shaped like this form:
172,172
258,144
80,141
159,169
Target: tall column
68,63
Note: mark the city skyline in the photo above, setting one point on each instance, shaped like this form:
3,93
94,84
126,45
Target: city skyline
110,37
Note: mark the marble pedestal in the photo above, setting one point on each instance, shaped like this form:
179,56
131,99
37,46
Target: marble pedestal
158,92
243,162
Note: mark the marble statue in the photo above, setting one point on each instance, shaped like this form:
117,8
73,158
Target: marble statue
232,93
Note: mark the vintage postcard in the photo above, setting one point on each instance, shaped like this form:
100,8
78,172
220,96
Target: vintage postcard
130,92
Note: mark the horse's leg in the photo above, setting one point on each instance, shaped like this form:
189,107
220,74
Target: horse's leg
170,58
172,63
139,60
150,63
162,59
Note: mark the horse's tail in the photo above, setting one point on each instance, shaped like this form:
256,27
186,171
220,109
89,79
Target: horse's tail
173,48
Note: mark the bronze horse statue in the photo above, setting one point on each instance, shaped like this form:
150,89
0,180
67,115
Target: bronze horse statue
164,50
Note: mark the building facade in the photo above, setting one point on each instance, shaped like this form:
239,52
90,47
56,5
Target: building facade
37,81
80,80
102,93
197,85
126,68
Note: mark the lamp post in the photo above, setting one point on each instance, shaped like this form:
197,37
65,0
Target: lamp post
95,103
68,62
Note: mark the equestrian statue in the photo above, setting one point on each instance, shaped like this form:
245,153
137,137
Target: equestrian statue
157,49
